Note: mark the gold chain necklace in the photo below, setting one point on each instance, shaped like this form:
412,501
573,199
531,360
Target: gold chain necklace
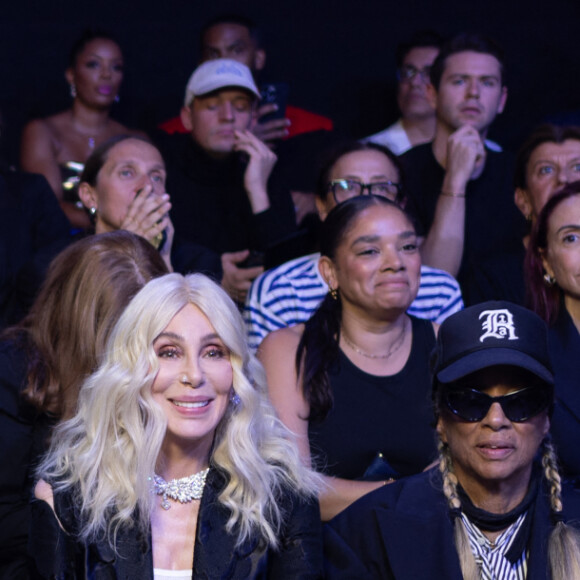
394,347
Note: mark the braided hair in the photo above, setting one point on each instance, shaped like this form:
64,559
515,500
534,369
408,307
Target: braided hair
450,482
564,541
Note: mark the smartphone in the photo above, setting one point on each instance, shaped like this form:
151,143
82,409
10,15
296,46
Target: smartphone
274,93
254,259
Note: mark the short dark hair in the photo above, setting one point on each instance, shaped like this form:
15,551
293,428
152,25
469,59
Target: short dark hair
467,42
88,35
346,147
542,298
421,39
546,133
233,18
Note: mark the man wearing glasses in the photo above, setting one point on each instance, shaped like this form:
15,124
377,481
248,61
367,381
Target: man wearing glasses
417,122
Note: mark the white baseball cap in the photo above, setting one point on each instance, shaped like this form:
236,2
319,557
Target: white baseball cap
217,74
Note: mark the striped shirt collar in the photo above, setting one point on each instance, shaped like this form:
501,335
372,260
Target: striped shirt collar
506,557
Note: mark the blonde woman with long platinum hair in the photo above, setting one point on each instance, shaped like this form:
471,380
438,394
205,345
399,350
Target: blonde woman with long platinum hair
496,506
175,460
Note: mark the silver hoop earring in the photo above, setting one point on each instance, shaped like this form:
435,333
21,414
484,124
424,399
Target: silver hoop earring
73,90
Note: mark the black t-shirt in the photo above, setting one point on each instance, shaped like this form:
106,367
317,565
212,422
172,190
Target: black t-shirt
390,415
493,224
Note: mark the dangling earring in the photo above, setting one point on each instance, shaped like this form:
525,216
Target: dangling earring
73,90
235,398
117,98
549,280
334,293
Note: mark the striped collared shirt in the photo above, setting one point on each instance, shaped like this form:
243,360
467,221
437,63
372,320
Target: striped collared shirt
492,558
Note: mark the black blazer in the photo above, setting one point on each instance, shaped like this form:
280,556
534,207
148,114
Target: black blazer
60,555
404,531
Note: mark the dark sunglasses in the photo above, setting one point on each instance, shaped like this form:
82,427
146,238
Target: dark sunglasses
472,405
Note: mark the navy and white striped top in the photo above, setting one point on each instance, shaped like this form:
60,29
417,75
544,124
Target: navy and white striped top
491,558
289,294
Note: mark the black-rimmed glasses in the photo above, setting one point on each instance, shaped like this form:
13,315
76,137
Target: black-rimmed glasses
409,72
343,189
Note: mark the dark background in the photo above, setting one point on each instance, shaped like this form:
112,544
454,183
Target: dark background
338,56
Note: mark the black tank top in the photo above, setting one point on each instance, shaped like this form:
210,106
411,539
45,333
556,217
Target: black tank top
391,415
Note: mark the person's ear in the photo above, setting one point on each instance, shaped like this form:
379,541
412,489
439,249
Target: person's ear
546,264
186,117
546,425
431,94
69,76
441,430
259,59
323,206
327,270
88,196
502,100
522,201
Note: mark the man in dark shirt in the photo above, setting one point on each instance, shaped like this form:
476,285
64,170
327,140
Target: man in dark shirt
220,174
461,192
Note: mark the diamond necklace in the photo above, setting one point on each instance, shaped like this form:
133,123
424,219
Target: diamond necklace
182,490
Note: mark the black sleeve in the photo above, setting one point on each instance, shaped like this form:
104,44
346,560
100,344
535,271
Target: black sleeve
341,561
278,221
54,552
300,555
353,546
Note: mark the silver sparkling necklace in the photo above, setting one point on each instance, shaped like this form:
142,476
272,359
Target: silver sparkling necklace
183,490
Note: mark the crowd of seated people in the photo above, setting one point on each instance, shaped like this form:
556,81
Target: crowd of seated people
194,384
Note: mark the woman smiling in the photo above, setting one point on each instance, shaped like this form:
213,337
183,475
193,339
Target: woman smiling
210,484
353,382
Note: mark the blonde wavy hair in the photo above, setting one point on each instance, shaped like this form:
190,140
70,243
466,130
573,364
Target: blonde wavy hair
108,451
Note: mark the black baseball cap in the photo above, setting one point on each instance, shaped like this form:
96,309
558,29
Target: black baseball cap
490,334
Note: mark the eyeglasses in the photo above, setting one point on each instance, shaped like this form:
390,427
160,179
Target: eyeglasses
343,189
472,405
408,72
